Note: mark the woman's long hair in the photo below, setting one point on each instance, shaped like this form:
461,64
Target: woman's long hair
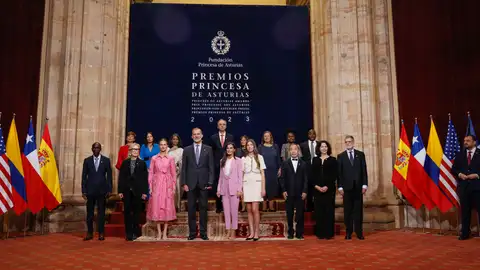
223,161
271,137
255,152
170,144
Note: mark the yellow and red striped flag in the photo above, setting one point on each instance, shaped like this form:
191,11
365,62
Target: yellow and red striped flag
49,171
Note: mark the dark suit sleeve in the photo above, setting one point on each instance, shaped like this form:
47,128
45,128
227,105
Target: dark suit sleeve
305,178
144,178
109,176
339,171
456,165
122,177
84,176
315,173
334,173
283,174
364,170
183,173
211,167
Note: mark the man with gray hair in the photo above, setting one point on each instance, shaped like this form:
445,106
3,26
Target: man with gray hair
352,185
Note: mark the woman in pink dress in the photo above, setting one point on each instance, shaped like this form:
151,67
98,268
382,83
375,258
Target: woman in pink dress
161,180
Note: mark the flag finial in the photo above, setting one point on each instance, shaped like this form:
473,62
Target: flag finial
468,113
449,116
431,117
46,119
31,117
14,115
416,120
401,120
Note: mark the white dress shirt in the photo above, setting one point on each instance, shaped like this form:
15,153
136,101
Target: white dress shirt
295,163
228,166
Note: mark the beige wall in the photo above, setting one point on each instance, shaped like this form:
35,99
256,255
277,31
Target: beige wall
226,2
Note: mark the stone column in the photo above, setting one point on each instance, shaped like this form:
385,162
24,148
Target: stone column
83,88
352,87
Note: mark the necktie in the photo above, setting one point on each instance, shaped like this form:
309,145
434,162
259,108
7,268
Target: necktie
469,157
197,153
96,164
312,151
222,140
351,157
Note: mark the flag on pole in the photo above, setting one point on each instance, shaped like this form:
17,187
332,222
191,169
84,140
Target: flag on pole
448,183
16,170
400,169
31,168
6,197
418,179
433,162
49,171
471,129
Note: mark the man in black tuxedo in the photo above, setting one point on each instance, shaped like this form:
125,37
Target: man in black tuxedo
218,141
352,185
133,189
294,185
197,179
308,153
466,169
96,188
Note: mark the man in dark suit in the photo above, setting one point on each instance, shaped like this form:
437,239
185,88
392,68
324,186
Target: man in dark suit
308,153
294,185
466,169
96,188
218,141
133,189
197,179
352,185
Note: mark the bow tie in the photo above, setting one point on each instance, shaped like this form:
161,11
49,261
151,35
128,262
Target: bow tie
295,159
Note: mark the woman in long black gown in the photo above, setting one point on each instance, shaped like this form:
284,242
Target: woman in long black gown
324,173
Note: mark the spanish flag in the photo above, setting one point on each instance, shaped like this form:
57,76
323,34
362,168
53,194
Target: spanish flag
49,171
400,169
16,170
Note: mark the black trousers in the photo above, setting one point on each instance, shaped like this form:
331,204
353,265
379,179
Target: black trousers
324,214
291,204
98,200
467,198
132,205
200,195
353,211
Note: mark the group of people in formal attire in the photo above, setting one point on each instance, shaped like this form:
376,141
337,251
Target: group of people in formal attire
306,175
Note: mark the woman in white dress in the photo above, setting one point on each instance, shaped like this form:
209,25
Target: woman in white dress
176,151
253,187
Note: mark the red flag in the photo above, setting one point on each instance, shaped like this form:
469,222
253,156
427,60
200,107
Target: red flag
400,169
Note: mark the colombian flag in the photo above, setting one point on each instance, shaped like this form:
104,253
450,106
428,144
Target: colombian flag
49,172
400,169
433,162
16,170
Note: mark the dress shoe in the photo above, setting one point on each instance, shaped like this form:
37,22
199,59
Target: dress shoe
463,237
101,237
348,237
134,237
129,239
249,238
88,238
360,237
320,237
329,238
290,237
191,237
256,239
300,237
204,237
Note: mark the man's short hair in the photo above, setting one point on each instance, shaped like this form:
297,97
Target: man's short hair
197,128
474,138
349,137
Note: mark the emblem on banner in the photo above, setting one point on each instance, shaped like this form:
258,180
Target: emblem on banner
402,159
220,43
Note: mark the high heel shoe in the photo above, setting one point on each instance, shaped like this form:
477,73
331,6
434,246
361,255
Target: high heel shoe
256,239
249,238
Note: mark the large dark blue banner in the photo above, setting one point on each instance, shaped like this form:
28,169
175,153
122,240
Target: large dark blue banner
191,65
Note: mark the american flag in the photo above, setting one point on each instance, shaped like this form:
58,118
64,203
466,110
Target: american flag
448,182
6,198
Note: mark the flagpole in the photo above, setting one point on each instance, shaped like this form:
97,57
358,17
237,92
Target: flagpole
5,215
43,210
